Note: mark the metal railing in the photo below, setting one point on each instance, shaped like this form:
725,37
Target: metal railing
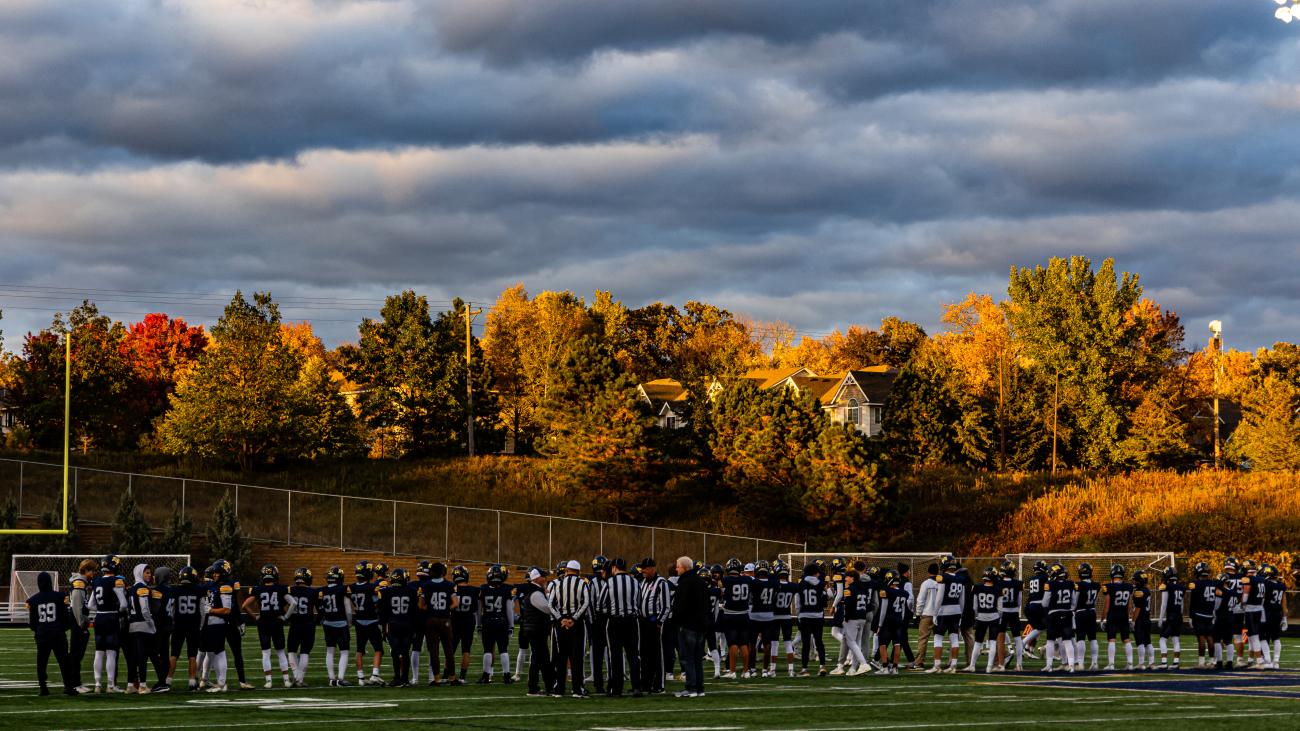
399,527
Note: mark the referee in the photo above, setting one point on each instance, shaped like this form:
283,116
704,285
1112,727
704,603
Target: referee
620,600
571,597
656,609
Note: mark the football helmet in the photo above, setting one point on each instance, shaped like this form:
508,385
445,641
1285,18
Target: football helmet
1040,566
716,569
762,569
495,574
891,578
1085,571
460,575
1268,570
1117,571
364,571
111,565
1171,573
1249,566
1059,572
1230,565
949,564
222,568
422,569
398,578
990,574
780,568
734,565
302,575
381,569
636,570
1201,569
1009,569
334,575
1140,577
270,573
837,564
599,564
188,575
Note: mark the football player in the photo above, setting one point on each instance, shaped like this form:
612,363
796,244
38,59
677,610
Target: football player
397,604
336,619
140,630
78,598
417,622
1173,600
785,593
854,599
1059,601
160,597
986,596
365,618
438,599
1252,600
235,623
184,601
48,616
836,589
1228,618
497,609
762,618
302,623
810,608
1141,613
952,602
891,625
1010,589
1203,594
464,619
715,639
218,610
735,617
1035,616
108,606
1274,612
1118,595
271,606
1085,617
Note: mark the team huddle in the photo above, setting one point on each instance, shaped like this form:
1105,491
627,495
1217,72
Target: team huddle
619,621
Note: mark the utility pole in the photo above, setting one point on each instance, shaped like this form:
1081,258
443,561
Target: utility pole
1056,406
1216,346
469,374
1002,424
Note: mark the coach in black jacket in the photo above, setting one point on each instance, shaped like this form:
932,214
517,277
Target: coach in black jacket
691,613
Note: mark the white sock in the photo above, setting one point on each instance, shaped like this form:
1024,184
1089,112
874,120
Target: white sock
1096,652
1110,652
1069,653
1020,650
1029,638
266,663
1268,653
284,661
487,663
1079,650
343,663
110,667
1050,653
519,660
1164,651
992,650
1277,651
329,663
415,666
97,665
975,654
505,663
221,667
1128,653
1218,652
1142,654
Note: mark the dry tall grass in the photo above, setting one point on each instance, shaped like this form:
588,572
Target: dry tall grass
1235,512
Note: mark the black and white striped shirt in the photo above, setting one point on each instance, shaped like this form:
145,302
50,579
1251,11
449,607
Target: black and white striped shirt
656,599
597,595
621,596
571,597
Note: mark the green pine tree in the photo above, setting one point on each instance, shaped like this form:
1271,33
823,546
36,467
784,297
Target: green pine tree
130,531
1157,437
845,495
1269,435
931,419
226,540
179,534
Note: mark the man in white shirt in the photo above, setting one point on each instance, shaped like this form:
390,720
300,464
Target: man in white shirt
927,603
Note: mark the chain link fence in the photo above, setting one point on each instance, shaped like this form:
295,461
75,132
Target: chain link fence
399,527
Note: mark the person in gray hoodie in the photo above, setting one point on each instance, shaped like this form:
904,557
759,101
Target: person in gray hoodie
140,630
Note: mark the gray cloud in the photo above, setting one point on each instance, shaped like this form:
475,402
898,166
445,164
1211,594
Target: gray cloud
820,163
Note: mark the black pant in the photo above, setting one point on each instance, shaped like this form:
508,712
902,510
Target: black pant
235,640
161,653
623,635
670,646
399,639
56,643
652,661
907,646
77,653
539,643
811,629
599,643
437,635
568,651
138,649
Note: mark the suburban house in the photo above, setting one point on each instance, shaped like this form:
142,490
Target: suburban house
854,397
8,412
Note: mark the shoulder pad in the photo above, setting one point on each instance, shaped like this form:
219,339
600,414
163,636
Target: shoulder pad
66,600
883,593
142,591
78,583
1163,587
227,589
237,586
119,582
1218,592
1139,593
938,579
1105,588
513,591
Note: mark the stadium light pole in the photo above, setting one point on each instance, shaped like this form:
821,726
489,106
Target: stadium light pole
469,376
1216,346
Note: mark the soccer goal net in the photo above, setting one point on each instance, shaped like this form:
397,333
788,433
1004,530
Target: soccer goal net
1154,563
24,568
917,562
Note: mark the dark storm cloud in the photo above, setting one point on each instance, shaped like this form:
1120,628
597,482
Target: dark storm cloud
822,163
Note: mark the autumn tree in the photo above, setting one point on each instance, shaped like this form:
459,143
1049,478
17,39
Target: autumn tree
845,495
932,418
239,401
1157,434
158,348
597,431
1268,437
761,440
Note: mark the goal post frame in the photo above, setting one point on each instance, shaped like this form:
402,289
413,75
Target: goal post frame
18,597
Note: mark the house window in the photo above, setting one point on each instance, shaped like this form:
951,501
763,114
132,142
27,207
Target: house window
853,416
671,422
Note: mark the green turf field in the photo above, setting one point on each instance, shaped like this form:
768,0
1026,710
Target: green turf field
1186,700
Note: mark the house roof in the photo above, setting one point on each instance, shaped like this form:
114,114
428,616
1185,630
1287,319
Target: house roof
769,377
672,408
876,382
822,388
663,389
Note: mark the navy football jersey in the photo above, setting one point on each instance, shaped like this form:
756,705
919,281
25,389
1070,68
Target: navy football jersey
1035,587
437,595
893,605
493,599
1088,590
1142,600
1009,591
307,599
104,593
1273,592
333,607
270,602
362,595
857,597
467,606
48,613
986,598
1175,598
785,591
762,596
1062,598
397,604
1121,597
952,594
1230,596
812,597
735,594
1202,595
185,602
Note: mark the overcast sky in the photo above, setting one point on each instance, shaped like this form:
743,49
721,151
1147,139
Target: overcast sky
818,162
